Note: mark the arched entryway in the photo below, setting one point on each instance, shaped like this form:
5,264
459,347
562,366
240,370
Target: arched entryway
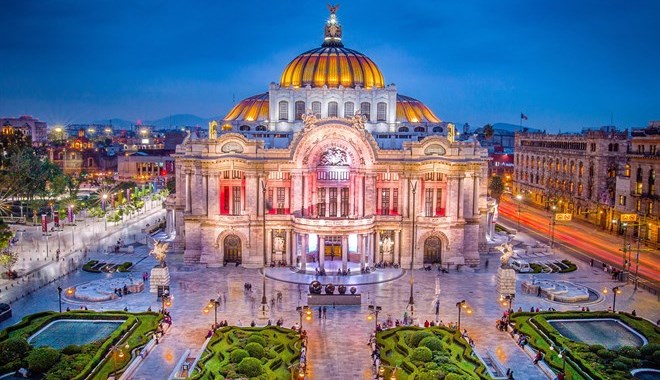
432,250
232,249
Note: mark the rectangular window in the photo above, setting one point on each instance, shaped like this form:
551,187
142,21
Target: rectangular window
365,109
638,206
385,201
332,109
349,109
316,108
280,200
395,201
381,111
321,201
621,200
269,201
344,201
650,211
300,110
428,202
236,201
284,110
333,202
439,211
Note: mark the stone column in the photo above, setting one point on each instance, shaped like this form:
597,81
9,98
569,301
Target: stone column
197,192
205,194
370,194
296,193
452,202
377,256
289,247
187,191
475,196
344,252
303,254
461,197
294,248
397,247
321,245
269,246
351,195
361,250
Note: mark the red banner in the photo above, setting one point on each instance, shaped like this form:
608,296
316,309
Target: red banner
44,223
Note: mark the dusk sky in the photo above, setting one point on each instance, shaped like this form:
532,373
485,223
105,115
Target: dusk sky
567,65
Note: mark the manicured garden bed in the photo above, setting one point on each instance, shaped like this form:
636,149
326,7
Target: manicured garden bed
255,353
585,360
94,266
73,361
428,353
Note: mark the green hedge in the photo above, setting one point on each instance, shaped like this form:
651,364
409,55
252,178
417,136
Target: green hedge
89,266
124,267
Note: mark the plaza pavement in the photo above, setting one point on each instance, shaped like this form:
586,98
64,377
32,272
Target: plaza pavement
338,345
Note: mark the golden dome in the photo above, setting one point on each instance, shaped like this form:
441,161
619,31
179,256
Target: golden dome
411,110
332,66
253,108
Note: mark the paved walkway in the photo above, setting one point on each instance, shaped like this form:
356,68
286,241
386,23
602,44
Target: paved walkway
338,347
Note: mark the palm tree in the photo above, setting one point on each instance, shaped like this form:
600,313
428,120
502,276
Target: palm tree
488,131
496,187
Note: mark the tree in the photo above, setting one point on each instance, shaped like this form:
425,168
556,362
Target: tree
5,235
488,131
8,259
496,187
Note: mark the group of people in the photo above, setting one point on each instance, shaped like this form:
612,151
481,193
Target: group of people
386,264
281,263
323,312
375,352
120,292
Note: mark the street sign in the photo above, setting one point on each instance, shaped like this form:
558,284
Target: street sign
628,218
561,217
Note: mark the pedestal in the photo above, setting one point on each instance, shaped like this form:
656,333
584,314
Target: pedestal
159,277
506,281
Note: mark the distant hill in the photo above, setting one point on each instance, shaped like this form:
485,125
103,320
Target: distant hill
514,127
163,123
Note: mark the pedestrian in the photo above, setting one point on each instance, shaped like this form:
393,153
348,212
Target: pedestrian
538,291
486,264
633,313
320,312
325,312
591,262
538,357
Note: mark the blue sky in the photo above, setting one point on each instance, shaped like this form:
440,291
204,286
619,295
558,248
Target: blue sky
566,64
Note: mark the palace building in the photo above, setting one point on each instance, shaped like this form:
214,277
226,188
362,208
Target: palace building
330,169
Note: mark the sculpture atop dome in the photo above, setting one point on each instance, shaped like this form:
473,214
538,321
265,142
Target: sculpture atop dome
332,32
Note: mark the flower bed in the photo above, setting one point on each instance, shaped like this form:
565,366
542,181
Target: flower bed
235,352
428,353
585,360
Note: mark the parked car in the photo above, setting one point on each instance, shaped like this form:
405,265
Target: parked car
5,312
520,266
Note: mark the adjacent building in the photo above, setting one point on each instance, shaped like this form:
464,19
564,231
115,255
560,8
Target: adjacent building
330,168
29,126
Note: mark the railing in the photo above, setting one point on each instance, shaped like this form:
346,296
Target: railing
330,222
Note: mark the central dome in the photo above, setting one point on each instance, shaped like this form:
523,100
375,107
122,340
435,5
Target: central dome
332,66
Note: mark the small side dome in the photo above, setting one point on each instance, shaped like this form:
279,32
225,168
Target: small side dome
411,110
251,109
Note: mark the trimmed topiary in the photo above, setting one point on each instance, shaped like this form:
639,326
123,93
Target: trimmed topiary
414,338
238,355
255,350
433,343
13,349
250,367
257,338
427,375
41,359
72,349
421,354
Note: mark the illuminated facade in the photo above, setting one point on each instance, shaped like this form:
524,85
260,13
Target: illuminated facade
335,168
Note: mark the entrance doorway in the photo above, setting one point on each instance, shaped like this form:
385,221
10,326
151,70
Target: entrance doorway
332,248
432,250
232,249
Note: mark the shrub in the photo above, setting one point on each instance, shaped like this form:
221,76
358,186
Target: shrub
630,352
124,267
596,347
414,338
257,338
619,365
71,349
421,354
13,349
255,350
427,375
238,355
41,359
455,376
433,343
89,267
250,367
605,354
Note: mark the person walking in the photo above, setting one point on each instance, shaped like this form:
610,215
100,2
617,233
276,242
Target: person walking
325,312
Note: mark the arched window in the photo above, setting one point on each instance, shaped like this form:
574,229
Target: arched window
60,156
580,169
260,128
300,109
284,110
349,109
365,109
90,162
332,109
437,129
652,182
420,129
627,171
640,175
381,111
616,147
244,128
403,129
316,108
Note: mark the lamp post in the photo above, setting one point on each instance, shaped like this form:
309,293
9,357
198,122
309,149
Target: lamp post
373,313
462,304
166,301
509,298
519,198
624,248
411,301
116,351
264,301
552,226
104,200
560,355
213,303
59,297
306,311
615,290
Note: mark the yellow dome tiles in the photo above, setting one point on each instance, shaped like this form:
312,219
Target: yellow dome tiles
332,66
250,109
412,110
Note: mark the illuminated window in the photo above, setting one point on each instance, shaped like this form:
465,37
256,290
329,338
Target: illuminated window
652,182
428,202
333,201
638,205
236,200
385,202
284,110
332,109
344,202
365,109
321,201
316,108
300,109
381,111
395,201
349,109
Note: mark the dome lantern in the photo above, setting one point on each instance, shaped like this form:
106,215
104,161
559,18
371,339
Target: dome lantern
332,31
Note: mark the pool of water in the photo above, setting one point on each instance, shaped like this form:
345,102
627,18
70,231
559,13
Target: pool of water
610,333
646,374
64,332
